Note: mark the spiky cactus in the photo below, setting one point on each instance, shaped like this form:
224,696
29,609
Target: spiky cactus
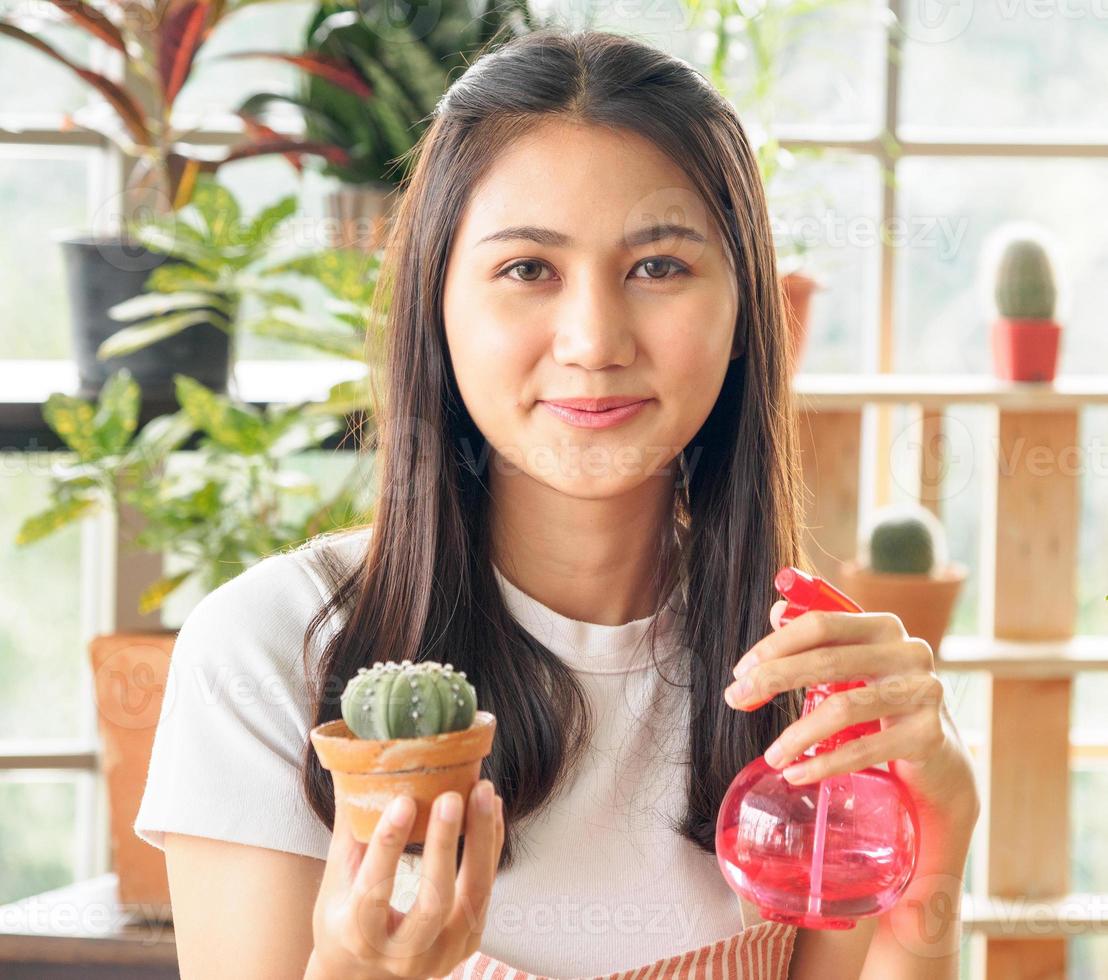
406,700
1025,287
905,539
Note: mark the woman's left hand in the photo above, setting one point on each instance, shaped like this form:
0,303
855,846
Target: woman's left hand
918,737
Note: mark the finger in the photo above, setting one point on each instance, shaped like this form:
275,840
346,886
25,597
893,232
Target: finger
776,611
846,708
344,853
819,627
438,867
869,750
759,682
479,860
373,885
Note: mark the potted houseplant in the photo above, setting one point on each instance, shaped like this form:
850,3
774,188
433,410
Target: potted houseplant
157,45
226,273
239,504
1024,336
405,729
377,93
902,567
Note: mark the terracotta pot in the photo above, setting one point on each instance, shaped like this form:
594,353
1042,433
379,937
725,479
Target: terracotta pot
362,214
1025,349
368,773
923,602
129,672
797,290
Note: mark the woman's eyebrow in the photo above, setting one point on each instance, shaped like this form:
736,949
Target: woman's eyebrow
548,236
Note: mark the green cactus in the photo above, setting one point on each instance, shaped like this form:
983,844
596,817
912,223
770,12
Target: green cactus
902,544
1025,286
406,700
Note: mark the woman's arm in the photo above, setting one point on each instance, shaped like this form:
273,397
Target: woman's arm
240,912
919,937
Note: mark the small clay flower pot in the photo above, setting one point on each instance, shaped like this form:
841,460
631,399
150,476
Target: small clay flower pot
1025,349
924,603
368,773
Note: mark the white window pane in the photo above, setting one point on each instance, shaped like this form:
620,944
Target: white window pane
955,204
1005,66
1089,821
1092,562
830,207
42,660
32,83
41,195
38,832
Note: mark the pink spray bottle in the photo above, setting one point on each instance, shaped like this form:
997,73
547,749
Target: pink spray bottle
823,854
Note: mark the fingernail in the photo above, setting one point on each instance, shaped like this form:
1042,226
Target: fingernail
450,806
484,796
774,756
399,811
739,691
795,772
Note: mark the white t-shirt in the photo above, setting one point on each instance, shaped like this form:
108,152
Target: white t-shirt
600,883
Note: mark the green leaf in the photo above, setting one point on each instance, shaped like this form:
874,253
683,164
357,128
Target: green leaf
179,276
154,595
350,274
169,239
294,327
344,398
269,219
219,209
117,413
135,338
157,304
307,433
158,438
238,429
53,519
72,420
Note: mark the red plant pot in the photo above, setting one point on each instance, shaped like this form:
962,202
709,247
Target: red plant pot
1025,349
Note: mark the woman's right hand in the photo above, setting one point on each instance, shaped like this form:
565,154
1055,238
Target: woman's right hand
358,935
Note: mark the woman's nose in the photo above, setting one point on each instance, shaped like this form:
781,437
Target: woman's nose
594,327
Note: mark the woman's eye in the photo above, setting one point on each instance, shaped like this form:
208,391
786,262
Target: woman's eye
659,264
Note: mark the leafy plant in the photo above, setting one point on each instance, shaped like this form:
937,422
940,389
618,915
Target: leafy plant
371,83
227,267
157,42
221,514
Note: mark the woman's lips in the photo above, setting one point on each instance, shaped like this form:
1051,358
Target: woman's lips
595,420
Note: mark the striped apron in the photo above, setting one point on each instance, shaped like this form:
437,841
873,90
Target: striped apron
761,951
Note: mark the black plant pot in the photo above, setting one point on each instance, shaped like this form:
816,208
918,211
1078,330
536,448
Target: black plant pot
104,271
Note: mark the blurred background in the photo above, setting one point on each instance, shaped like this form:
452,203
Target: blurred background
193,198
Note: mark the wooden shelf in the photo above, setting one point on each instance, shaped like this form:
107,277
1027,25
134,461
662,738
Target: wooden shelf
84,924
1037,659
829,392
1065,916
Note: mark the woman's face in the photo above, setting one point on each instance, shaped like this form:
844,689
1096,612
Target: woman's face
588,304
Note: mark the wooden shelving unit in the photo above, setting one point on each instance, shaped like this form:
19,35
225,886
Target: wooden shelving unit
1019,908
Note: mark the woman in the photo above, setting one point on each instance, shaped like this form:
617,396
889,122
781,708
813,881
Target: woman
584,227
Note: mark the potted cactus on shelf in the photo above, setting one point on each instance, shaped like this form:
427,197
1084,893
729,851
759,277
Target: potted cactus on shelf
902,567
406,728
1024,336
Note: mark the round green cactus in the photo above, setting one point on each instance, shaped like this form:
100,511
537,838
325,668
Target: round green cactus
1025,287
904,539
406,700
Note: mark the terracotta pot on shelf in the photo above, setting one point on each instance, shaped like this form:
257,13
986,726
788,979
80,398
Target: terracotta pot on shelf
369,773
924,603
1025,349
797,289
129,672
